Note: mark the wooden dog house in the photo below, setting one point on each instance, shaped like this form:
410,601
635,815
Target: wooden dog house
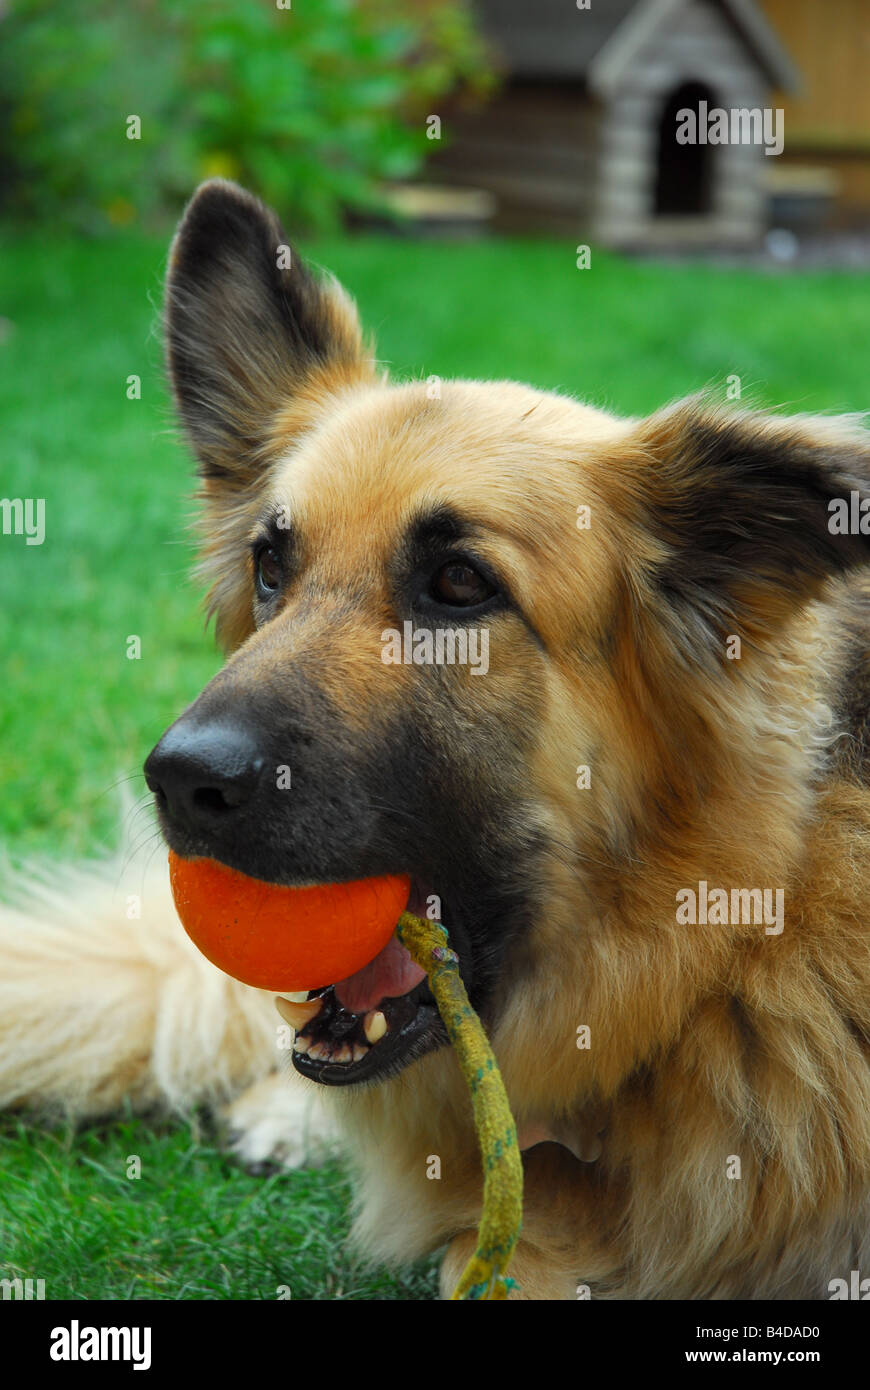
582,133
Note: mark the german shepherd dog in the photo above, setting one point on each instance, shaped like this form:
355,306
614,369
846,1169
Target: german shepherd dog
645,819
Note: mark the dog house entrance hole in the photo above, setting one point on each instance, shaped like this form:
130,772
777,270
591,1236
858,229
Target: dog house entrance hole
683,172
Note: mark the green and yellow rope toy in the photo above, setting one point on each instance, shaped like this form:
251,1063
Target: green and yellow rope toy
499,1229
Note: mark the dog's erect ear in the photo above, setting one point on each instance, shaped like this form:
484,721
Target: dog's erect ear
248,328
750,514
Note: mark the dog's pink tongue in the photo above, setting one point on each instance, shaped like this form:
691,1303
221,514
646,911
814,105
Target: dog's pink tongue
390,974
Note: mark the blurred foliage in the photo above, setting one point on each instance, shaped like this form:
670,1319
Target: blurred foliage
311,106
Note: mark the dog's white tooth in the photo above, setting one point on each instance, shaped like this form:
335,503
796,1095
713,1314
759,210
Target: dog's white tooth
318,1051
301,1044
359,1051
296,996
342,1054
374,1025
297,1015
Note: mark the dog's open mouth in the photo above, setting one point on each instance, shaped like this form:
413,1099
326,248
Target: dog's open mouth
371,1024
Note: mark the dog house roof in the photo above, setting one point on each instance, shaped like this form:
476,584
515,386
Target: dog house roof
555,39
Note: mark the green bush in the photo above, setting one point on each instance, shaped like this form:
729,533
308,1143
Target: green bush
311,106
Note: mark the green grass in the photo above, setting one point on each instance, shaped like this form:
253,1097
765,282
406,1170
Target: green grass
192,1225
76,715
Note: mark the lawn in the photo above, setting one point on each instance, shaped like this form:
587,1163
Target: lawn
77,717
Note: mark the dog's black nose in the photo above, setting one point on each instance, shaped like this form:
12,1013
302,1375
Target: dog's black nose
202,772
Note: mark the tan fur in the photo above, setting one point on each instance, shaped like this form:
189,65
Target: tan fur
707,1041
97,1007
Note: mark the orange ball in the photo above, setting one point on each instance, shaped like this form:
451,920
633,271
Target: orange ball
281,938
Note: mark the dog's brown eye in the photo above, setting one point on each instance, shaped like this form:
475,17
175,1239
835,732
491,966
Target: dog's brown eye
268,567
460,585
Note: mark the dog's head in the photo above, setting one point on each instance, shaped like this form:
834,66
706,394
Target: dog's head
476,631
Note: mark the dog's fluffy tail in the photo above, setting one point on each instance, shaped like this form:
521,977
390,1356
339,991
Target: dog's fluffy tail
103,997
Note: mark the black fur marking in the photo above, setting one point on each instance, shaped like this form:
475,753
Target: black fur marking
737,505
240,330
